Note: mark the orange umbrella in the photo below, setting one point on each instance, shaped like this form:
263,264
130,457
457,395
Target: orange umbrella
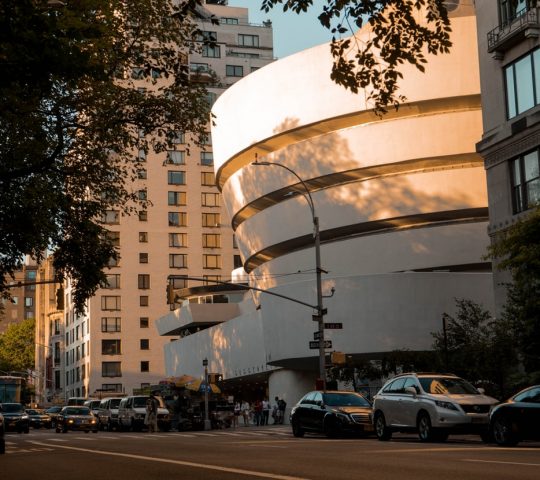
198,386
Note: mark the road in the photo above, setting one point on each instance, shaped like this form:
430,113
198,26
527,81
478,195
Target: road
258,453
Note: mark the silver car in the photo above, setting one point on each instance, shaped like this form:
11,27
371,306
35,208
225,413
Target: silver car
434,405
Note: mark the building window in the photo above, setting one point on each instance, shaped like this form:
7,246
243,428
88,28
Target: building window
234,71
229,21
111,369
211,261
114,238
177,198
110,324
179,281
112,281
523,84
248,40
142,174
111,347
109,302
143,281
142,195
113,261
176,157
111,217
210,199
211,279
511,9
207,159
176,177
143,216
211,220
525,181
211,51
141,155
144,301
210,98
177,138
208,179
111,387
28,301
143,237
177,219
145,344
144,322
207,139
211,240
145,366
199,68
178,240
143,257
177,260
234,241
237,260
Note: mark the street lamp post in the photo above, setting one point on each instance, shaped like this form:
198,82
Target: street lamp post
207,425
317,237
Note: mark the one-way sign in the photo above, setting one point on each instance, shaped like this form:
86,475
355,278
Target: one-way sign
315,345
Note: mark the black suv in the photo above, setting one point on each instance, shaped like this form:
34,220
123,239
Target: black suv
15,417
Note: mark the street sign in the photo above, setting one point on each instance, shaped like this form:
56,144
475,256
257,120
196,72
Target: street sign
317,335
315,345
333,326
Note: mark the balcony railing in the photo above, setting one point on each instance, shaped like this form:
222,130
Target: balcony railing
524,25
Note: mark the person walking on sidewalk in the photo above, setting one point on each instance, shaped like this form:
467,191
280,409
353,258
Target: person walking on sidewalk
245,412
265,411
257,408
151,413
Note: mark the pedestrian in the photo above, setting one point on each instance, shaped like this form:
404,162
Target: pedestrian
236,414
257,409
151,413
265,411
245,410
282,406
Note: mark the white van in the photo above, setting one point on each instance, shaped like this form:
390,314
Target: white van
108,413
132,410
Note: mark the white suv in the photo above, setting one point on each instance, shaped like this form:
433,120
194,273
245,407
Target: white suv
432,404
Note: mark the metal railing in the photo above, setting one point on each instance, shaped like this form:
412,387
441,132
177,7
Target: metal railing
513,26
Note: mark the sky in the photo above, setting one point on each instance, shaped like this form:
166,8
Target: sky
292,32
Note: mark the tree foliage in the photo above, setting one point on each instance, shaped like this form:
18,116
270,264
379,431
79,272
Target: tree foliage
73,119
517,249
477,347
403,31
17,347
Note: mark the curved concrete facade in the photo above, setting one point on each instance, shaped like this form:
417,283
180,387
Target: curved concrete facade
401,202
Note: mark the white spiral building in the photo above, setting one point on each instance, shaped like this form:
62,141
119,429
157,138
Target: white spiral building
401,201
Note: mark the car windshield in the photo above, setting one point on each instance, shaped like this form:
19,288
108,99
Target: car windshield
53,409
31,411
12,407
345,400
114,403
447,385
77,411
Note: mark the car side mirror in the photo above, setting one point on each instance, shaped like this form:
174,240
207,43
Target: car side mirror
411,390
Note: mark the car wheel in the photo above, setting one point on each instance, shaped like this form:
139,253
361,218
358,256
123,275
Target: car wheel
382,431
425,430
58,430
502,431
297,430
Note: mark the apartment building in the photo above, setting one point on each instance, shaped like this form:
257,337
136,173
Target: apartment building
184,232
509,55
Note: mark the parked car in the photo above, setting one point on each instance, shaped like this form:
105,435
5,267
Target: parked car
53,413
434,405
2,431
332,413
132,411
38,418
516,419
108,413
93,405
74,417
15,418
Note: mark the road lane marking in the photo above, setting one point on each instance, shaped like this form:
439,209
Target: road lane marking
469,448
523,464
219,468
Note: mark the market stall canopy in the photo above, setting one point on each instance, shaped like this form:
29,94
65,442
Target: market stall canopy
198,386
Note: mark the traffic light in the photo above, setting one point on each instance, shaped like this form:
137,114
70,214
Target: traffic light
60,298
